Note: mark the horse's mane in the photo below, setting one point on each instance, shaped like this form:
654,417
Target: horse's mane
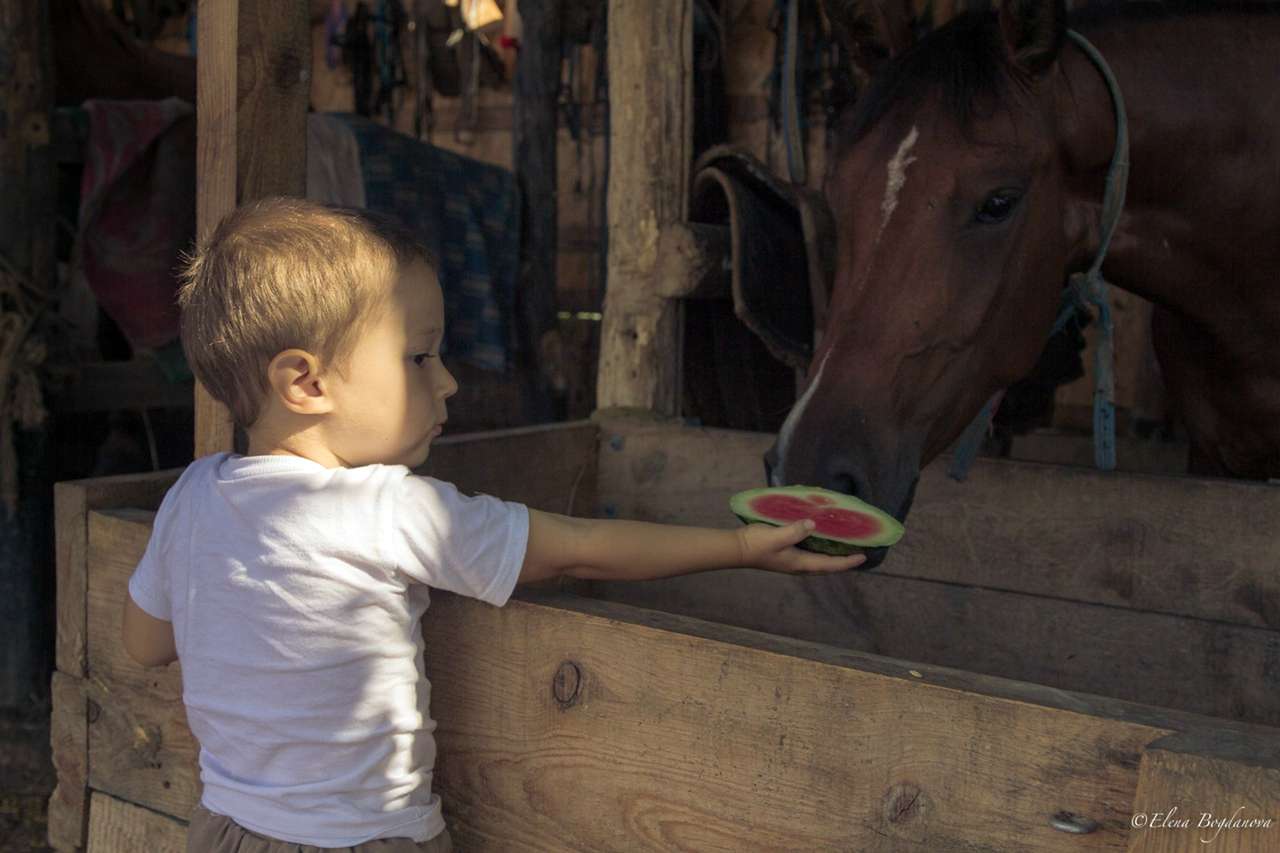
963,63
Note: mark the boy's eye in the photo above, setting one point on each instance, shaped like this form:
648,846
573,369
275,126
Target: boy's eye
421,358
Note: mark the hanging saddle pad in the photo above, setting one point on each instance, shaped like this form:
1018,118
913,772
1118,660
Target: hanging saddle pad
782,248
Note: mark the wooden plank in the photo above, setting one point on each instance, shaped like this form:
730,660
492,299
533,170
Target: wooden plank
651,142
216,24
1177,545
140,748
574,725
1197,791
73,500
251,111
70,503
549,467
827,747
69,742
116,826
660,470
1135,455
1179,662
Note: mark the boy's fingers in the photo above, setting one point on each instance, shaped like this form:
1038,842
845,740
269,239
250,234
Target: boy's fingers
817,563
797,531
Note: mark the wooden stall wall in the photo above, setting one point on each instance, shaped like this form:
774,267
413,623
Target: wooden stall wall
572,724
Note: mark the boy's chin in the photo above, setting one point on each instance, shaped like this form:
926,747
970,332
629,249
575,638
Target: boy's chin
418,456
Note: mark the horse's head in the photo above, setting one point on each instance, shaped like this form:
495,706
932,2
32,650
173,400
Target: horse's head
948,194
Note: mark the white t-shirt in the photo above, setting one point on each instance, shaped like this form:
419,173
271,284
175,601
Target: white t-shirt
295,593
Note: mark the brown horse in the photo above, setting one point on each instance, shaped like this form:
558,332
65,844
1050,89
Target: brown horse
968,184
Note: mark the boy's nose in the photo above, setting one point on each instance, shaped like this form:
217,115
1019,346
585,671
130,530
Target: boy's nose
450,385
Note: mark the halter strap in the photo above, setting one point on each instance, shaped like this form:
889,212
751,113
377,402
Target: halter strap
1089,287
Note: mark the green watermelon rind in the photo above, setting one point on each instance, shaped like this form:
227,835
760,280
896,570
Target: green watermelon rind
835,545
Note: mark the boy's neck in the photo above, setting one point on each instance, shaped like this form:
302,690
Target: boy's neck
267,437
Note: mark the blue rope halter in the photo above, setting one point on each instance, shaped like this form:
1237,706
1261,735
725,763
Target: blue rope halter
1087,287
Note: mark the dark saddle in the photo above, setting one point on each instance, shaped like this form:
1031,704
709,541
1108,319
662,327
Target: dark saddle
781,248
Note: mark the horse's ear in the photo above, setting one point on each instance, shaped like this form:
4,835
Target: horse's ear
1033,32
872,31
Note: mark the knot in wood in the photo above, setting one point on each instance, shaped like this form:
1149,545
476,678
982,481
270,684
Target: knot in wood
903,802
566,684
1076,824
287,69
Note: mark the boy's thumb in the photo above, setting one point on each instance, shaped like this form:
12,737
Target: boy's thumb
800,530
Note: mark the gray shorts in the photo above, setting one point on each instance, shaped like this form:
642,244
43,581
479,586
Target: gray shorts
215,833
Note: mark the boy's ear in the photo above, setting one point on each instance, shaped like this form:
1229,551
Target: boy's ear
294,378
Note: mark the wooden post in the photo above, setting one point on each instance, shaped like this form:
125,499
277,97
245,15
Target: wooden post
1207,790
651,145
537,86
252,90
26,277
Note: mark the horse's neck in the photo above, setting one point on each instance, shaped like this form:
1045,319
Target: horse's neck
1202,104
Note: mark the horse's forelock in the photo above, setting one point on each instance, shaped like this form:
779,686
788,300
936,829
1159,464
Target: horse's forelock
961,65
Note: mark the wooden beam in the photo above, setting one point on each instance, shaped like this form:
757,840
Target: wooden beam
551,467
1177,662
116,826
253,83
1200,791
651,144
1176,545
692,261
1133,454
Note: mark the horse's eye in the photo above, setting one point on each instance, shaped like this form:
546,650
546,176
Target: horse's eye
998,207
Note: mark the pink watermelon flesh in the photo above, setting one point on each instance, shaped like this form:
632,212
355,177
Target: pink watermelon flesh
831,521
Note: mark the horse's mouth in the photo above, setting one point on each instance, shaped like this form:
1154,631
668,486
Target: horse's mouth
875,556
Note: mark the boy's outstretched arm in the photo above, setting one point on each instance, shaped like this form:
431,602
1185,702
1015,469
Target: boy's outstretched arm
148,640
602,549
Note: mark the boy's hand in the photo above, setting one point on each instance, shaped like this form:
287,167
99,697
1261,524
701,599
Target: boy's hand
765,546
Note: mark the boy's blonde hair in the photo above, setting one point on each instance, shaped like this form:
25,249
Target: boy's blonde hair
284,273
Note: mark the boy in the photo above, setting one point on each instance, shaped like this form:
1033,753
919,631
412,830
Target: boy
290,580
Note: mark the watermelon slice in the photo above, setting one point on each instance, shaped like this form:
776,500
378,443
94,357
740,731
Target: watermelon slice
845,524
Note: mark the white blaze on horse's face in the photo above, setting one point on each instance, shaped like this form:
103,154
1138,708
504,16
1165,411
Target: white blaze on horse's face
789,425
896,178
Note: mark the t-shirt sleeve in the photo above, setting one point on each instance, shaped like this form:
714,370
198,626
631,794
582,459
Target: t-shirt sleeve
149,584
472,546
